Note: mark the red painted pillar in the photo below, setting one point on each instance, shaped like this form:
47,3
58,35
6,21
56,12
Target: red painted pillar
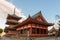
23,30
31,30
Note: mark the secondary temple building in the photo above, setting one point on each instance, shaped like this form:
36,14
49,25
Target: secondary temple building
34,25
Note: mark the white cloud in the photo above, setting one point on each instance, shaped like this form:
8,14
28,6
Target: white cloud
2,23
8,8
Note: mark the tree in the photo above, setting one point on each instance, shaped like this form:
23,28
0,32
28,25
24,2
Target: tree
1,30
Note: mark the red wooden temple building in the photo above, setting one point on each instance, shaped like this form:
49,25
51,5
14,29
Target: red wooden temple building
35,25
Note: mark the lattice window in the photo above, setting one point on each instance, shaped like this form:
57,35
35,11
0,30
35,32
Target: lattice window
33,31
38,31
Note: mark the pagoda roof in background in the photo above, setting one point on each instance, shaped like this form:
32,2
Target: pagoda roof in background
8,28
12,22
15,17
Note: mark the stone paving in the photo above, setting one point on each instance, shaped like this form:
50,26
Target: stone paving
41,38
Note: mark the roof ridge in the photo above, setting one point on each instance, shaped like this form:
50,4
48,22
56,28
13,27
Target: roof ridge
39,14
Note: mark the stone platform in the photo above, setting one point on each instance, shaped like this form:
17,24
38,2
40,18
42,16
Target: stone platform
32,38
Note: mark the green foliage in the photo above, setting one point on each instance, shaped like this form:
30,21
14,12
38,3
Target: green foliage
1,30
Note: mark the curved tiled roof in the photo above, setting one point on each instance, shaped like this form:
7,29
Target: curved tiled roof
39,14
32,20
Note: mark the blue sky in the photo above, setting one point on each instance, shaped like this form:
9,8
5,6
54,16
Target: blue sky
49,8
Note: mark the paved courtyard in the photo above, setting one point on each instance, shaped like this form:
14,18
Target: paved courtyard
41,38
